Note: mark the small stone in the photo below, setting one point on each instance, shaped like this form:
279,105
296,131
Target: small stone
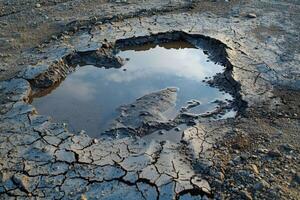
251,15
205,52
83,197
254,168
161,132
105,45
95,141
246,195
262,184
22,181
177,129
296,178
202,184
262,150
38,5
274,153
244,156
237,159
287,147
221,176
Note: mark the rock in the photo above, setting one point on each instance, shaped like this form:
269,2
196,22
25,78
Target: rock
244,156
274,153
95,141
237,160
262,150
296,178
38,5
254,168
161,132
251,15
177,129
262,184
287,147
246,195
106,45
83,197
22,181
220,176
203,165
202,184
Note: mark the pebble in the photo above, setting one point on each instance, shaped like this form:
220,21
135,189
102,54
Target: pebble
274,153
246,195
287,147
262,150
105,45
254,168
262,184
95,141
251,15
297,178
177,129
221,176
38,5
237,159
161,132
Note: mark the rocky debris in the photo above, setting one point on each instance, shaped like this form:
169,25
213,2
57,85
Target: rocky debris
274,153
202,184
296,178
177,129
246,195
261,185
251,15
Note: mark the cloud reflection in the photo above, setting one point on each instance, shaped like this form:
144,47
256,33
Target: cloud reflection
78,88
184,63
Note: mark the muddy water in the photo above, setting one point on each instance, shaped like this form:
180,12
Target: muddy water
88,98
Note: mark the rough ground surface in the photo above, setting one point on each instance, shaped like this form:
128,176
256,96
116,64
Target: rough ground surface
254,156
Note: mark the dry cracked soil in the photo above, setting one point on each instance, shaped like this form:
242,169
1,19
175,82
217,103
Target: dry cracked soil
254,155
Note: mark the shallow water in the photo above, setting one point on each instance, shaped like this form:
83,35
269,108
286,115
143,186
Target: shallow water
87,99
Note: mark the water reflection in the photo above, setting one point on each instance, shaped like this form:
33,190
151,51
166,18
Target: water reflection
87,98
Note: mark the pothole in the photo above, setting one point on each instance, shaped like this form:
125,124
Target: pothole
149,85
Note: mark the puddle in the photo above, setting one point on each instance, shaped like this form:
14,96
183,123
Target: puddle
88,98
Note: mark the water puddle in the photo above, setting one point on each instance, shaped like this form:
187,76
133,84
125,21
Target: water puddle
88,98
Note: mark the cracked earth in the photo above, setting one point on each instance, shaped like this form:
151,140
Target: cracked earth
252,156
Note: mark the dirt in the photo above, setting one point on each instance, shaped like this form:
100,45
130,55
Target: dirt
252,156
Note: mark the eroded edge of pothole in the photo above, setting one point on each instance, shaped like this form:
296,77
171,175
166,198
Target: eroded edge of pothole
47,77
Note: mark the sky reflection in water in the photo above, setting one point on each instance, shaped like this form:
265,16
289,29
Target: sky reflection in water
88,97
